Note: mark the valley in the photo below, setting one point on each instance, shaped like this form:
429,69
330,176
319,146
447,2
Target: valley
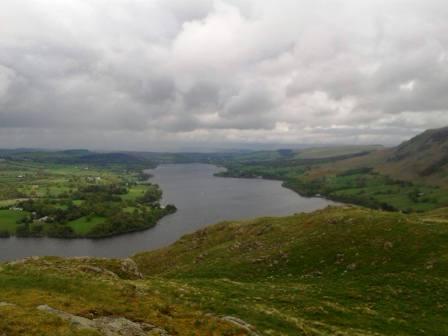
375,265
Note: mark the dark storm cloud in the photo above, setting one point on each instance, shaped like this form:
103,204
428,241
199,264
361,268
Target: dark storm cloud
161,74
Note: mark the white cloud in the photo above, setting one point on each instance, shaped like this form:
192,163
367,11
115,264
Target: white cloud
163,73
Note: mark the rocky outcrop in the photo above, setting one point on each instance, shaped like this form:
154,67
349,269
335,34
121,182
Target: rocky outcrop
107,326
129,266
101,267
98,271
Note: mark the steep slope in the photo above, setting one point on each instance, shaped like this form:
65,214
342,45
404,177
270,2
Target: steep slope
335,151
424,157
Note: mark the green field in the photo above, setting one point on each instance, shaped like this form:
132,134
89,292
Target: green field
356,186
83,225
134,192
8,203
62,198
8,219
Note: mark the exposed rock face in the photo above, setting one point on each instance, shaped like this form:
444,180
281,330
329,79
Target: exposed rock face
129,266
108,326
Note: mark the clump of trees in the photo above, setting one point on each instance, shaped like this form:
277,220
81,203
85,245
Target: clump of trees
51,217
152,195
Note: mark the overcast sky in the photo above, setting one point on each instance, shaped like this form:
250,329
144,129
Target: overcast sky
174,74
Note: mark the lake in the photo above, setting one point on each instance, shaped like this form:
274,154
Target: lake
201,199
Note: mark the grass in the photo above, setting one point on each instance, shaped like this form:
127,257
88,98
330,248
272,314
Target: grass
338,271
327,152
7,203
51,187
130,209
75,286
9,218
134,192
359,186
380,189
347,271
78,202
83,225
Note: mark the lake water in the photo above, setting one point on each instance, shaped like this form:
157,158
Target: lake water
201,199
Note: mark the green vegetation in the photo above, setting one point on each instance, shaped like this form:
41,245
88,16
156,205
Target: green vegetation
373,190
334,151
356,175
8,221
357,186
338,271
41,198
347,271
94,289
84,225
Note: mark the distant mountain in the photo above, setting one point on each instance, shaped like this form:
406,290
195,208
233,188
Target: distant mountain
78,156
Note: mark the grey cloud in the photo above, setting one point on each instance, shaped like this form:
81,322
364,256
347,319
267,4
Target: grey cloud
202,95
171,72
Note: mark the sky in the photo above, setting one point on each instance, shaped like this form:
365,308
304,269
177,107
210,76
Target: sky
178,74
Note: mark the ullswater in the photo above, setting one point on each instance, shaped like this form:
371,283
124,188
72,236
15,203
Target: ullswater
201,199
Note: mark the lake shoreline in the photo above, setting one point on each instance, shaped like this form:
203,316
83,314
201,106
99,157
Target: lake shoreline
202,200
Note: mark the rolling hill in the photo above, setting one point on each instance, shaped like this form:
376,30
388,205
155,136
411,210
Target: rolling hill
337,271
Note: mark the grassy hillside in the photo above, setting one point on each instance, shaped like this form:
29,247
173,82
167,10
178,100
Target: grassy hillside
83,296
334,151
345,271
424,157
338,271
412,177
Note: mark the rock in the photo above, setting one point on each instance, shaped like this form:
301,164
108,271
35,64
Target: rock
7,304
129,266
107,325
241,324
97,270
77,321
388,245
112,326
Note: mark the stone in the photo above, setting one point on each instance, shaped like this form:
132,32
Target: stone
129,266
241,324
77,321
107,325
6,304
